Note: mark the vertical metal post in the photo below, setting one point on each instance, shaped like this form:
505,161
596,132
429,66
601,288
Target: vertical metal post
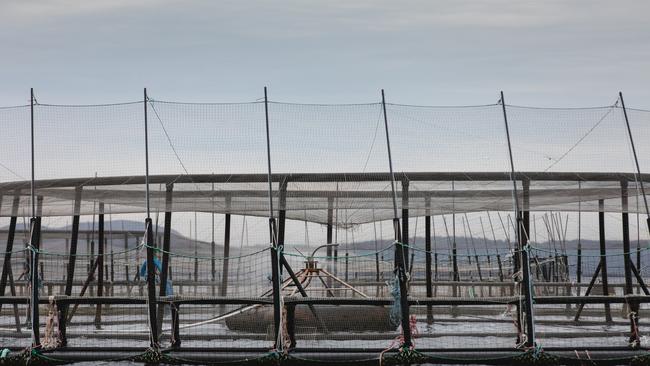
636,160
330,219
149,241
213,266
151,284
226,252
377,271
276,249
523,245
329,253
282,212
166,244
427,251
579,264
100,264
634,307
401,251
11,233
126,263
603,256
6,268
69,280
405,220
34,241
454,246
32,188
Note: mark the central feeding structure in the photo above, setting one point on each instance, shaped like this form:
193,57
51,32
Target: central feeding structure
530,241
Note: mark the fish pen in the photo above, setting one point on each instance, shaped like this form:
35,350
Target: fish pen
278,233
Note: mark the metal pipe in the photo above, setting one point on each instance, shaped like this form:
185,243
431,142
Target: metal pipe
636,159
146,152
268,153
32,188
164,273
603,256
390,158
634,339
525,266
276,250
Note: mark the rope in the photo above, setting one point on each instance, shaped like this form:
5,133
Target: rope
160,250
634,251
51,340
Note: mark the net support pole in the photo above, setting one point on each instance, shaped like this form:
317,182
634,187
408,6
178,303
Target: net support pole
166,246
33,169
579,259
276,249
226,251
213,245
100,264
603,257
72,261
636,161
521,240
330,219
329,252
405,220
634,339
401,251
427,249
34,241
282,212
11,233
149,242
6,268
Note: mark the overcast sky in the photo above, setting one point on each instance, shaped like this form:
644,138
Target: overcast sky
544,53
541,53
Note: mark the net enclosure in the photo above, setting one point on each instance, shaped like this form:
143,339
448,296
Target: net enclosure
271,232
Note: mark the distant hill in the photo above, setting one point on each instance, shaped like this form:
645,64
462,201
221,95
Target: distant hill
55,237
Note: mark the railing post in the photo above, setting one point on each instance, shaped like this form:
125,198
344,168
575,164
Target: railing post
35,243
164,272
427,248
405,220
401,255
524,229
72,255
100,264
603,256
149,241
329,253
282,211
11,233
151,284
634,307
226,251
276,248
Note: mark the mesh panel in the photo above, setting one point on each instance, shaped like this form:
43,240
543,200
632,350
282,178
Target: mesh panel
330,184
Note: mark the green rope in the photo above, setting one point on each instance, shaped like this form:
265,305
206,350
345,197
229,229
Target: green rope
41,251
349,256
590,255
14,251
173,254
537,357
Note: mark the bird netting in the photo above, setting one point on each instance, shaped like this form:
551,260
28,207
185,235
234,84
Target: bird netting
584,229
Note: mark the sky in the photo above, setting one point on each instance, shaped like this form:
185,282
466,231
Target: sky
541,53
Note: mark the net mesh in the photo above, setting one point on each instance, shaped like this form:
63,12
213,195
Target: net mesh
208,164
